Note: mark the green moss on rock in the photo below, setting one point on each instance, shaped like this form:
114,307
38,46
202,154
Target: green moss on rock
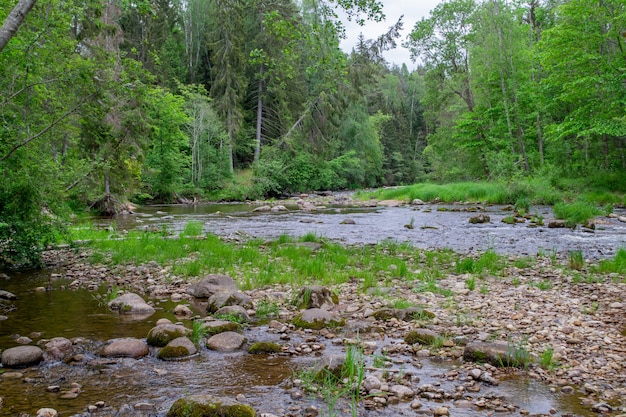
172,352
209,406
316,324
264,347
161,335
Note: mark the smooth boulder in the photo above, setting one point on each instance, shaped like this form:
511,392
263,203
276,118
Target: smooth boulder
131,303
128,347
209,406
21,356
226,342
211,284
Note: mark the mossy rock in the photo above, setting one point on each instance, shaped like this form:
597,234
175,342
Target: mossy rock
221,326
162,334
173,352
423,336
509,220
404,314
317,319
209,406
264,347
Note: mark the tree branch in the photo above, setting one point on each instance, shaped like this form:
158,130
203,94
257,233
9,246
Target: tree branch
44,130
14,20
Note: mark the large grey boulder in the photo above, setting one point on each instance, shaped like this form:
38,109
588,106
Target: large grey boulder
128,347
228,298
211,284
162,334
5,295
226,342
209,406
316,318
21,356
238,313
131,303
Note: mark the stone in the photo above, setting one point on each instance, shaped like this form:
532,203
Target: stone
228,298
279,208
209,406
494,353
262,209
47,412
131,303
180,347
127,347
264,348
219,326
316,296
481,218
236,312
211,284
6,295
21,356
59,348
556,224
475,373
423,336
162,334
417,202
370,383
332,363
441,411
182,311
402,391
348,221
317,319
225,342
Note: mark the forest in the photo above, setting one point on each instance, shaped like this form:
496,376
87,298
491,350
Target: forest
108,101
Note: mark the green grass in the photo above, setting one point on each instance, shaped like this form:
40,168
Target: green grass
576,260
617,265
546,360
578,212
488,261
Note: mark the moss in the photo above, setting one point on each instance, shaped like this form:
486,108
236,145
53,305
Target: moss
190,408
316,324
509,220
173,352
228,326
414,337
264,347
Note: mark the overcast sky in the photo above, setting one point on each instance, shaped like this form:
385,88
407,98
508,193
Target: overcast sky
413,10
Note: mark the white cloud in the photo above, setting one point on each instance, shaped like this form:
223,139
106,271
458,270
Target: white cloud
393,9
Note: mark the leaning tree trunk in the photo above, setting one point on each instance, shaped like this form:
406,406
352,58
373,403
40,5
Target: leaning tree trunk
14,20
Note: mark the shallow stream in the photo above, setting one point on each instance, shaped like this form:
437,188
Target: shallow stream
148,387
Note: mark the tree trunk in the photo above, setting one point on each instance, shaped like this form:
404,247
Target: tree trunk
259,117
14,20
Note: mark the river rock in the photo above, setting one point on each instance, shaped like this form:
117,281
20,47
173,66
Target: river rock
182,311
423,336
404,314
316,296
316,318
441,411
371,383
402,391
556,224
6,295
417,202
211,284
228,298
214,327
238,313
59,348
497,354
162,334
279,208
178,348
481,218
262,209
209,406
47,412
21,356
332,364
226,342
131,303
348,221
127,347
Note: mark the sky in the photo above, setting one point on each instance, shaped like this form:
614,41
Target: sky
413,10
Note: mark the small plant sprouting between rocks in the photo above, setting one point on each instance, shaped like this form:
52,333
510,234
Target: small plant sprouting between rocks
547,361
333,386
518,355
198,332
576,260
111,294
266,309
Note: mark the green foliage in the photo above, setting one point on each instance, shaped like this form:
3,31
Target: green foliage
615,265
198,332
576,213
576,260
192,228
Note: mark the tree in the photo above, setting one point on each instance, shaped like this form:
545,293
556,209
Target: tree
14,21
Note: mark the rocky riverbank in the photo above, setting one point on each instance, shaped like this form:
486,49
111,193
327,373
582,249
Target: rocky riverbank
581,324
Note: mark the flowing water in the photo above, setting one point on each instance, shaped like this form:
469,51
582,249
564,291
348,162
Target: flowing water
264,380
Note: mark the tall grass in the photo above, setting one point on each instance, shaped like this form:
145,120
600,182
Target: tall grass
576,213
